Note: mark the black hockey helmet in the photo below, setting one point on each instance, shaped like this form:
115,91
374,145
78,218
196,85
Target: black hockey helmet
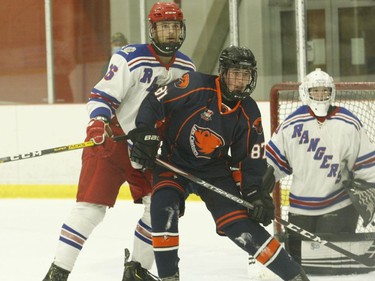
241,58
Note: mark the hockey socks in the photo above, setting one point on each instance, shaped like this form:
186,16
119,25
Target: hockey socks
77,228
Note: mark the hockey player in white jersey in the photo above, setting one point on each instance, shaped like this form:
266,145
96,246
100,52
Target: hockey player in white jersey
113,104
326,149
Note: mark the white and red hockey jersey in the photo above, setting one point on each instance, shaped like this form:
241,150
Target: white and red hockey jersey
320,155
132,72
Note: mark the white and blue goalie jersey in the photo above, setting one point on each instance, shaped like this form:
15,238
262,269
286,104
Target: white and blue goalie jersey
320,153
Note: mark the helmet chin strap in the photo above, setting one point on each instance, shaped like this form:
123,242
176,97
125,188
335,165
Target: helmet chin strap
228,99
230,103
160,52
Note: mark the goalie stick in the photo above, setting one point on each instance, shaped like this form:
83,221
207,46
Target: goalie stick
368,261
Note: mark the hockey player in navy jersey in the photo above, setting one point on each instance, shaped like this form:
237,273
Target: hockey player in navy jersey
326,149
203,117
113,104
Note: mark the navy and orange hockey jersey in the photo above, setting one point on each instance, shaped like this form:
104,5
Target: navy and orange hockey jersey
203,136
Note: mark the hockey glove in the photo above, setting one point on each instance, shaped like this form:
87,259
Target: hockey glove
98,129
264,209
362,195
145,146
268,180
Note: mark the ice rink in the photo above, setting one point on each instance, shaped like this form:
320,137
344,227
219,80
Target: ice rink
29,230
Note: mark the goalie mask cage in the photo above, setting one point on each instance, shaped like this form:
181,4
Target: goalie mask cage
358,97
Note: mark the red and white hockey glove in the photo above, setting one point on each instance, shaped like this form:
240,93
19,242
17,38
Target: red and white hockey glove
98,129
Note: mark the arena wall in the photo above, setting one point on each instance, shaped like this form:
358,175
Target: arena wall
28,128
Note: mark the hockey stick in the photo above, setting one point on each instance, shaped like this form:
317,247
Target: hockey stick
359,258
37,153
64,148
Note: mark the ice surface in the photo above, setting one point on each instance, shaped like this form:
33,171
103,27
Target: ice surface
29,231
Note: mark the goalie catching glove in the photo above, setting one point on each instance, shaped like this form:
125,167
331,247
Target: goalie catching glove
362,195
145,146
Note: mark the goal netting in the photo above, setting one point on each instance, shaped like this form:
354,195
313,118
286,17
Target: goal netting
359,98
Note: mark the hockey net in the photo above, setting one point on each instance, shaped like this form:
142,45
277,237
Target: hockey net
357,97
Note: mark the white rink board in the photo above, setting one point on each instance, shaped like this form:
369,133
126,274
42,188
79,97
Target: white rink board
26,128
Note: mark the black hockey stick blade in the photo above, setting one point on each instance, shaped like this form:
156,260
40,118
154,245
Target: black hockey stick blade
64,148
363,259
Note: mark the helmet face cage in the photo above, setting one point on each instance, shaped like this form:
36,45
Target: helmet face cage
321,79
240,58
166,11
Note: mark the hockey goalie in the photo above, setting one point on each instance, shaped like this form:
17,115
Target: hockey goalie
326,150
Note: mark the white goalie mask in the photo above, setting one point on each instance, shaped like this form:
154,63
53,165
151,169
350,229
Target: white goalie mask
318,91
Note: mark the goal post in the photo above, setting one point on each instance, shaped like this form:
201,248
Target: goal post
358,97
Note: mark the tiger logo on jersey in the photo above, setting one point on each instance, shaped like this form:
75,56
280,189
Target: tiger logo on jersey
182,82
257,126
204,141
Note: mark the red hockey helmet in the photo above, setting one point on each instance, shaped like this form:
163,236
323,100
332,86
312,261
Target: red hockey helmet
166,11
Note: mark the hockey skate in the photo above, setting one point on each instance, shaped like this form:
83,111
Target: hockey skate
56,273
300,277
135,272
175,277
